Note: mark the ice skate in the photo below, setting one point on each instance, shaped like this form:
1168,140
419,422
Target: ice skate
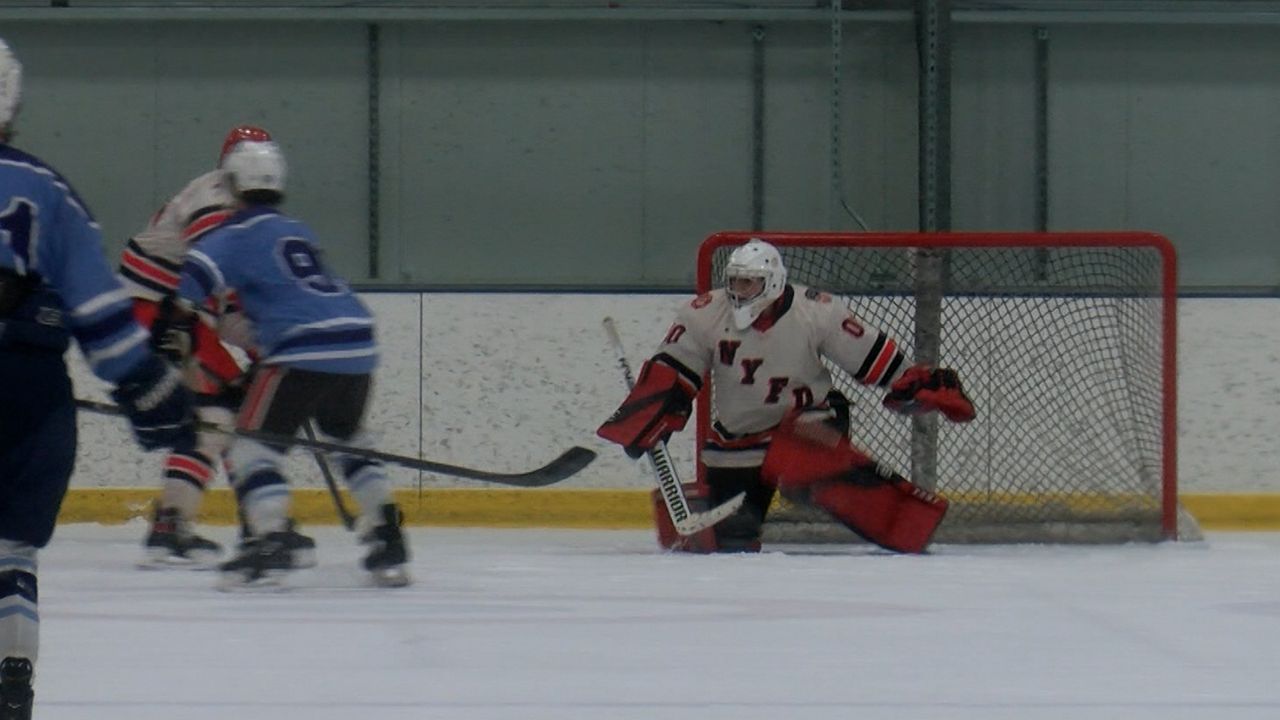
172,543
263,561
302,548
16,696
387,551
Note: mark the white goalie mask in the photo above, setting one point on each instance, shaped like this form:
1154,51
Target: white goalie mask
753,279
256,166
10,84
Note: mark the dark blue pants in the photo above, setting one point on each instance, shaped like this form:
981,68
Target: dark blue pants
37,443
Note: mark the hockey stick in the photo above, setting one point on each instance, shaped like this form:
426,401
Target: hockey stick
568,464
686,521
348,520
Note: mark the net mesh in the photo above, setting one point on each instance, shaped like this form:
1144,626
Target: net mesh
1059,340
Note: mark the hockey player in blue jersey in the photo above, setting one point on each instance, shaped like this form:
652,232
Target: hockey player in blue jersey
55,284
317,353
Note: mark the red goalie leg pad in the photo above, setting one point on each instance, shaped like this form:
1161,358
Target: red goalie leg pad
703,542
801,454
894,514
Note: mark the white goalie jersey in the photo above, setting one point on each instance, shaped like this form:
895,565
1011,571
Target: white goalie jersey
773,367
152,259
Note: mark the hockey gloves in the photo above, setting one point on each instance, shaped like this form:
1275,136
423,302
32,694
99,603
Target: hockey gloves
658,405
173,332
923,389
158,404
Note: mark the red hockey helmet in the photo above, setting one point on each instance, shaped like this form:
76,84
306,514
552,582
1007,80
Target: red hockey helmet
239,134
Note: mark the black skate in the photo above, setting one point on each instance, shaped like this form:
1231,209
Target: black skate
16,697
387,551
302,547
262,561
172,543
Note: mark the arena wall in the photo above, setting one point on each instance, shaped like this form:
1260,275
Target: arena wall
506,381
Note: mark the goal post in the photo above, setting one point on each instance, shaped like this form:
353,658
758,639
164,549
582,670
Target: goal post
1067,343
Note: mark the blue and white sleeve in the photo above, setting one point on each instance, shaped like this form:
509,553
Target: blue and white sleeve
201,276
99,309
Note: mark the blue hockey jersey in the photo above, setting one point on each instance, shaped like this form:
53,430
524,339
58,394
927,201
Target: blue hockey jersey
303,316
49,239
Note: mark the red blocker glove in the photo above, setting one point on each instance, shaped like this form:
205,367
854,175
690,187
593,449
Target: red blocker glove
658,405
923,389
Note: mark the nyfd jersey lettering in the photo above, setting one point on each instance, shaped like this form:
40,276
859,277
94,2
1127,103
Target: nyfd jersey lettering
761,375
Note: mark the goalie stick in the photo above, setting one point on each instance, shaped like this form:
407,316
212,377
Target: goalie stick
568,464
686,521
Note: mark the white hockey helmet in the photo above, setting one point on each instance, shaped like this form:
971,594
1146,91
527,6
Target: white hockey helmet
757,260
255,166
10,84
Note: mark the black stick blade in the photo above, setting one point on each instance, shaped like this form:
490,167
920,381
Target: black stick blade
570,463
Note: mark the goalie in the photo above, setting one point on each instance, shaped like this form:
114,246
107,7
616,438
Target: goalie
778,423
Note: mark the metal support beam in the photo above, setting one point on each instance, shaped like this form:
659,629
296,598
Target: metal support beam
757,126
933,41
374,71
1042,128
1037,12
1042,147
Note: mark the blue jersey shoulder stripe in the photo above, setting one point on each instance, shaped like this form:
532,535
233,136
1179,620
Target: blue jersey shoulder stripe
106,327
199,270
354,336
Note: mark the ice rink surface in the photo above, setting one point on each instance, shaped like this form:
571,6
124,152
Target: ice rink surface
568,625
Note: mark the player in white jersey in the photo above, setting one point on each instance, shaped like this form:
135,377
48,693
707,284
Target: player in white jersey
777,421
150,266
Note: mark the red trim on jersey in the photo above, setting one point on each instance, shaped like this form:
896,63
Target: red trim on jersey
190,467
261,393
146,267
145,311
214,357
775,311
202,225
219,366
886,354
753,441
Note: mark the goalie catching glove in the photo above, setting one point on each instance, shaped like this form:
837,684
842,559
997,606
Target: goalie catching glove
923,389
658,405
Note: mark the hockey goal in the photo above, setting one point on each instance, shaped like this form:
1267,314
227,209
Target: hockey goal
1065,341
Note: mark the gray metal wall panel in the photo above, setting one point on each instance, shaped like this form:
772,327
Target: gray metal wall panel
993,128
587,153
520,153
877,127
131,112
697,141
1177,130
599,153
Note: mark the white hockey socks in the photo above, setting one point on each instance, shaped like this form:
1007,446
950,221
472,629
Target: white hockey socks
19,616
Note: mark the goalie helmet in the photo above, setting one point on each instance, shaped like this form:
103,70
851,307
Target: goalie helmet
253,165
239,134
10,84
757,260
